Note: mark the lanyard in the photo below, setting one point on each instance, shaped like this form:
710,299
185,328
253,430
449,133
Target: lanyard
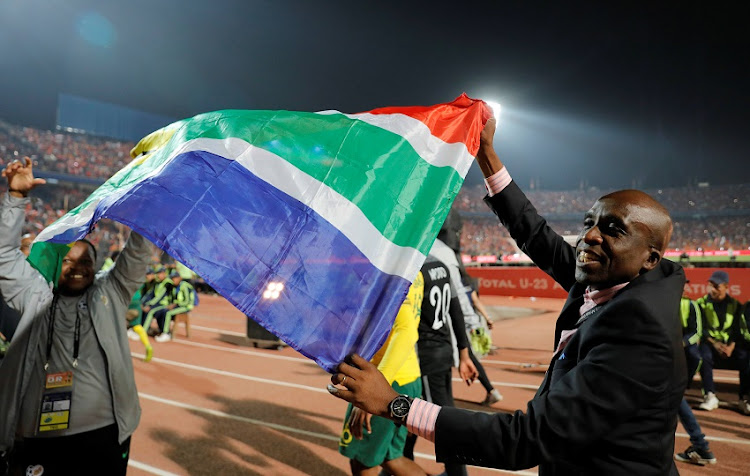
51,332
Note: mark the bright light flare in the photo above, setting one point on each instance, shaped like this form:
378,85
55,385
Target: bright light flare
273,291
495,109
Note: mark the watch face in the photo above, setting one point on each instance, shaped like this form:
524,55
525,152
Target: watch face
400,407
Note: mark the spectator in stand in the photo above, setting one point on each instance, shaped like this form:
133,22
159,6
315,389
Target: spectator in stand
725,341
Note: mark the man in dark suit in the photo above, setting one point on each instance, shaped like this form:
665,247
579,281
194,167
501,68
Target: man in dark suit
608,404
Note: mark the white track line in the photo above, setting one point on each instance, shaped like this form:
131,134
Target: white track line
231,374
269,355
252,353
718,438
514,364
209,411
150,469
483,361
506,384
527,365
218,331
294,359
282,428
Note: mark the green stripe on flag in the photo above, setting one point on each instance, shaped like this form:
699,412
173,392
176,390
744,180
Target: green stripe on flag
47,259
375,169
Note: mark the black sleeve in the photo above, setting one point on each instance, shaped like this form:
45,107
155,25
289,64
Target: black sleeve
604,389
459,326
547,249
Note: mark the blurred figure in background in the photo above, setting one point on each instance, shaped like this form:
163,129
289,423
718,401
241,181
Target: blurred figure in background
698,452
182,299
724,343
442,342
155,302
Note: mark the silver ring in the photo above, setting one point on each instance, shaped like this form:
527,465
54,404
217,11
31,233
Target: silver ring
343,380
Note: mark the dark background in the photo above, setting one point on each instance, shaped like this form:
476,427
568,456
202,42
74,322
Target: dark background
593,94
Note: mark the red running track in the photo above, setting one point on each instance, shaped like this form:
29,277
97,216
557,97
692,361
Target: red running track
212,407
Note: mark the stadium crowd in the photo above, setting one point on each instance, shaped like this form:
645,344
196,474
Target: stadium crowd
703,214
62,152
690,199
483,236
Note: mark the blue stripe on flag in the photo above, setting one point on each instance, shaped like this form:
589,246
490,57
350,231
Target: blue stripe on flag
244,234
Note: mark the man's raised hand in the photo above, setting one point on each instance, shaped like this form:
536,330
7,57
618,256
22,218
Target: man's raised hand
487,158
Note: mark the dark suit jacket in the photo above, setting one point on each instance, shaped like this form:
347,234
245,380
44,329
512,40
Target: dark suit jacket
608,404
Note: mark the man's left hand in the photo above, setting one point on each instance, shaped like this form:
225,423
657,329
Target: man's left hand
360,383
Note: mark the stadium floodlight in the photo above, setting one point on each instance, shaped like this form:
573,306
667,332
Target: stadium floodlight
495,109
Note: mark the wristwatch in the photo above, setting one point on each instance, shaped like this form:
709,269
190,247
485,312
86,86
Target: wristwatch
399,408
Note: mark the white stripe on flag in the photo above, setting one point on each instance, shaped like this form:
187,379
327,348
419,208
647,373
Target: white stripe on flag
433,150
333,207
84,216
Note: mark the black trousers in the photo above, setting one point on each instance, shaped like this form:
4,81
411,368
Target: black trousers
95,452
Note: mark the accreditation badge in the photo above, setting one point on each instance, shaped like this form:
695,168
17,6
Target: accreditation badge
55,409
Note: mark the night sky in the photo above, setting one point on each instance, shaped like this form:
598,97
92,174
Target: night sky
651,96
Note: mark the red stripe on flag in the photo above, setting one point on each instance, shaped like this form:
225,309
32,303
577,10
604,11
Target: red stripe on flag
450,121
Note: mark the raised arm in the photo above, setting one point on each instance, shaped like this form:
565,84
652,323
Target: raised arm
129,270
19,282
547,249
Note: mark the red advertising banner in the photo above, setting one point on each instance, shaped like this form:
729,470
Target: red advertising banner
531,281
739,282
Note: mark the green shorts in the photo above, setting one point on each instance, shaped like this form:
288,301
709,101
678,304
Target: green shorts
385,442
